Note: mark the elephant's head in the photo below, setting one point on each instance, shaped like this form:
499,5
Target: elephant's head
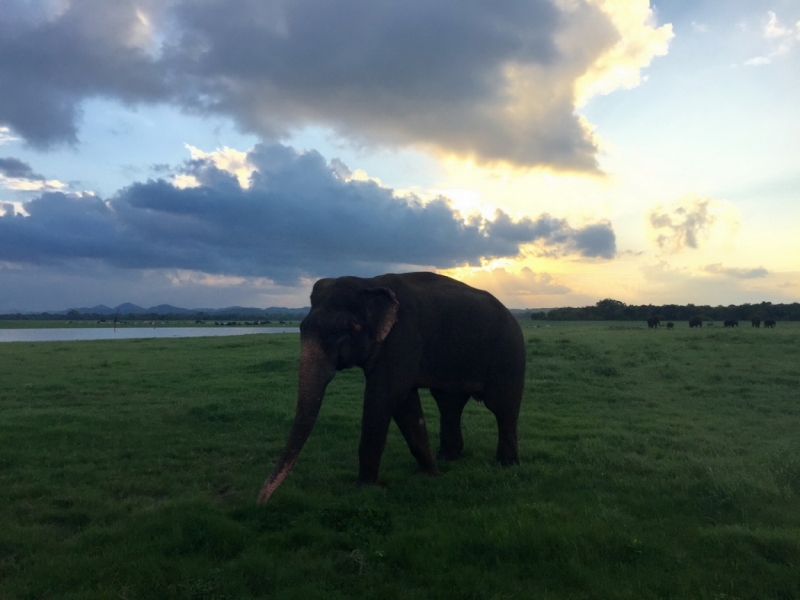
348,321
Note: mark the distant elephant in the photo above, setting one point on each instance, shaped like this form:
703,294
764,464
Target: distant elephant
670,325
756,322
731,323
408,331
769,323
695,322
653,322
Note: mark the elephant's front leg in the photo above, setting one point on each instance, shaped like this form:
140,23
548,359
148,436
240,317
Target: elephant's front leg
411,422
379,405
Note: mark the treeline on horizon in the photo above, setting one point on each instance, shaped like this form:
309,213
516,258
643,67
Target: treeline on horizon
604,310
614,310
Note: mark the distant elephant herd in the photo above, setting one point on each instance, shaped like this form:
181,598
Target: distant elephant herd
654,322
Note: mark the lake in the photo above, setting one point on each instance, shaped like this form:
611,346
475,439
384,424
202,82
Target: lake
83,334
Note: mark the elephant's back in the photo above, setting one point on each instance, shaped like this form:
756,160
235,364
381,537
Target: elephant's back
465,330
441,301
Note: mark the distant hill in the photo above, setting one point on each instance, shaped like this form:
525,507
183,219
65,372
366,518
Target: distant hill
129,308
100,309
136,312
161,309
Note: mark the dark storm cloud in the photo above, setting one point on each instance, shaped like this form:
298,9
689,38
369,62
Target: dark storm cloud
50,62
594,241
488,80
16,169
299,217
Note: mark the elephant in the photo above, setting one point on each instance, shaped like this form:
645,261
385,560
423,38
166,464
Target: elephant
670,325
756,322
653,322
731,323
769,323
696,322
408,331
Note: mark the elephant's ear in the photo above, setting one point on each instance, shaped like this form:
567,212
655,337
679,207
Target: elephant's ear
381,313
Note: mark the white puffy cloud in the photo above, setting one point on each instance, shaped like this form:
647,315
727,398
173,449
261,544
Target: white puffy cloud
639,41
781,39
775,30
757,61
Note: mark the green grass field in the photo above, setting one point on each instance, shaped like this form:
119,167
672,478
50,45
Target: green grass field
656,464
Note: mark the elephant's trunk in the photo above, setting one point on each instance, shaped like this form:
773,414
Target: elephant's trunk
316,371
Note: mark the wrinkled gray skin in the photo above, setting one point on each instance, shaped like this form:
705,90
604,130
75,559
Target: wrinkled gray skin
408,331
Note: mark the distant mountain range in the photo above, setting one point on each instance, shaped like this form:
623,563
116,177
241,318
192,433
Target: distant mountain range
167,309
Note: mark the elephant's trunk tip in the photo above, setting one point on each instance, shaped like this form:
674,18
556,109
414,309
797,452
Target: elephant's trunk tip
273,482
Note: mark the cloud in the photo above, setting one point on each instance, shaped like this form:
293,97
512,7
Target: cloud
19,176
781,39
681,227
556,235
595,241
297,218
15,168
5,136
718,269
686,222
82,49
774,29
638,41
493,82
757,61
227,159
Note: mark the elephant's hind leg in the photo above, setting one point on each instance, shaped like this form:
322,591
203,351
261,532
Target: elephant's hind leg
505,407
451,406
409,418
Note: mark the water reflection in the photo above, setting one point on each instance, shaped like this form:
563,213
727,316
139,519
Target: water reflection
88,333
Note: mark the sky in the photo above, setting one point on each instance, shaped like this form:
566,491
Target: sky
215,153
